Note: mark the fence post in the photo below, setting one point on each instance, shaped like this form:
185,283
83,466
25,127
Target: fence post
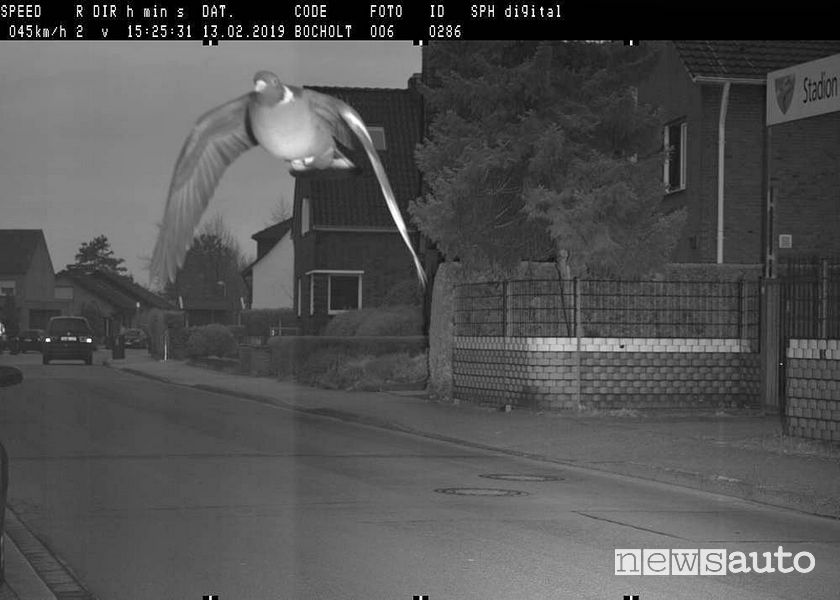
505,309
770,343
578,361
742,311
823,306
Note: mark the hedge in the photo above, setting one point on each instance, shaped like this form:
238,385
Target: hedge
300,357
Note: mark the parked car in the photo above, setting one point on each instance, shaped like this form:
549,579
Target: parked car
30,339
68,338
135,338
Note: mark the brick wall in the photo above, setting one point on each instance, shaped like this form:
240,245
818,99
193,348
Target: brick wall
605,373
670,89
806,181
813,389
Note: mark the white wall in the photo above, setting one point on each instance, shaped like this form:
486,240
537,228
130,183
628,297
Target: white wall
274,277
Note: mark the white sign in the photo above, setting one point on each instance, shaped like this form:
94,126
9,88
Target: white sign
805,90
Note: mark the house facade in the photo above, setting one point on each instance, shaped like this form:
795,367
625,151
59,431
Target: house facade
26,279
743,184
271,277
347,251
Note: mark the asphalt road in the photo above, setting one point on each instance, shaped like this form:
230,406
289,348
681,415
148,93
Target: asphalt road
147,490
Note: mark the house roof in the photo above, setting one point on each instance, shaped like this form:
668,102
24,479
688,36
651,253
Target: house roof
17,247
357,201
98,288
133,290
266,240
274,232
115,290
748,59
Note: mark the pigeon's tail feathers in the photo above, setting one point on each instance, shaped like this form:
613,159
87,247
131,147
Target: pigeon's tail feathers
354,121
217,139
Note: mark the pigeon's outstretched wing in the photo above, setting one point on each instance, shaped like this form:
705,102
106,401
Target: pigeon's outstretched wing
345,120
217,139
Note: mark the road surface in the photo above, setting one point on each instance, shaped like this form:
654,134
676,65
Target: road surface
147,490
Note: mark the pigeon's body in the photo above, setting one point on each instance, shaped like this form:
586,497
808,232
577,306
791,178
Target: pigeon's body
290,131
304,127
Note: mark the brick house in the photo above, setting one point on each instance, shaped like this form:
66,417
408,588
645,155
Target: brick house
26,279
271,277
712,94
347,251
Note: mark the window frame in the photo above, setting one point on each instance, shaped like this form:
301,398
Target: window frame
666,169
305,216
337,311
379,130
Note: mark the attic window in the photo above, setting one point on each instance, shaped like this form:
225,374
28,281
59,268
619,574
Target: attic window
377,134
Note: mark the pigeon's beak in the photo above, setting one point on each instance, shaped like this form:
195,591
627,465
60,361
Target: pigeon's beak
259,85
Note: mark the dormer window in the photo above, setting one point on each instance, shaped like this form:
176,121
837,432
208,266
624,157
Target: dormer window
305,214
377,134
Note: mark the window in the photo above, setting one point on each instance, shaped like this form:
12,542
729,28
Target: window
675,145
344,293
7,287
305,213
377,134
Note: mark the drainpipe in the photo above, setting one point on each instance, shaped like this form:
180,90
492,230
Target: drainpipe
724,104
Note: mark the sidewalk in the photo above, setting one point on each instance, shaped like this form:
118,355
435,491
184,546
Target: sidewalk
737,454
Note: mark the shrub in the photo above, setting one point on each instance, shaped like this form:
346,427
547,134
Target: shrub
238,331
346,323
371,373
258,322
403,292
290,356
380,321
394,320
156,322
211,340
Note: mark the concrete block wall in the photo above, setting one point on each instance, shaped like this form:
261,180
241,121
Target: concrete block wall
605,373
813,389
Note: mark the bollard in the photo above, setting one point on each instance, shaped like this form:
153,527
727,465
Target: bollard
118,350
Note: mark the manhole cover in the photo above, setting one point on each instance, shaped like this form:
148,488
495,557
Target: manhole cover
480,492
520,477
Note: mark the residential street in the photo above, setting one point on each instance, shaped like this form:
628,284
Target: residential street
149,490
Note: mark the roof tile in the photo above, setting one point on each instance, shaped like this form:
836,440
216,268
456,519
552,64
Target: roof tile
17,247
356,201
749,59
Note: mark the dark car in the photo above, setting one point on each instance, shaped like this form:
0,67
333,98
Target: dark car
68,338
30,339
135,338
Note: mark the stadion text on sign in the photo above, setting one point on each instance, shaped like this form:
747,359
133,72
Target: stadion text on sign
709,561
804,90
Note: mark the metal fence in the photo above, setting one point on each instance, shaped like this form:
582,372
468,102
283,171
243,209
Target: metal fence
609,308
810,298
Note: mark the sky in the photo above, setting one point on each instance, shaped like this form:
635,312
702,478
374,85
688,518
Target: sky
91,131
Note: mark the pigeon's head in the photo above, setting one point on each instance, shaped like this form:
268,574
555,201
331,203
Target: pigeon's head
270,89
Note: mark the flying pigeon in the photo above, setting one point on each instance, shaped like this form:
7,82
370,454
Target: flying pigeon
304,127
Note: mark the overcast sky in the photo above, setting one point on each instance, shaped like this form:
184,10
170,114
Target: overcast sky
90,131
